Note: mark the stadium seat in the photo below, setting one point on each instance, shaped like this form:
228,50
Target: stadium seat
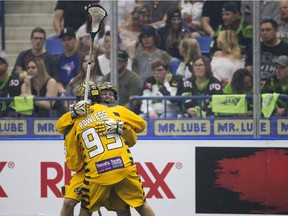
204,43
54,46
174,63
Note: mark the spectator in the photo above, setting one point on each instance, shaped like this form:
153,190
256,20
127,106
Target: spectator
68,62
283,25
95,74
129,83
71,13
190,50
269,9
241,83
38,83
9,87
125,8
130,31
159,11
232,20
84,39
173,32
162,83
38,38
278,83
203,83
191,11
212,16
149,39
271,48
104,59
228,58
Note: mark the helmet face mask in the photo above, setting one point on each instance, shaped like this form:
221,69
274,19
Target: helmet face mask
108,94
93,93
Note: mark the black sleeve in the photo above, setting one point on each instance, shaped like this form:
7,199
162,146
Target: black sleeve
19,62
51,66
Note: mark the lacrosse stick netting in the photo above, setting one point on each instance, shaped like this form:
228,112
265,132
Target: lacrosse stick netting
96,15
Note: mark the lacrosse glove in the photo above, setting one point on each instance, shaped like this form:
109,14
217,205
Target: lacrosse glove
81,108
109,126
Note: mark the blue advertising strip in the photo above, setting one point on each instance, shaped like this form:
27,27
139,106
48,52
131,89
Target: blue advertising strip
202,128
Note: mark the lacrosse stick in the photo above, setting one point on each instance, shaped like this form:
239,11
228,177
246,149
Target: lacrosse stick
95,14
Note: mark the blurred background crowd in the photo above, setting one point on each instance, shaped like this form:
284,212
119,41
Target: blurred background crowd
165,48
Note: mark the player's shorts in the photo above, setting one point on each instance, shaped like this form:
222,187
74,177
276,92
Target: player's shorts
130,190
74,191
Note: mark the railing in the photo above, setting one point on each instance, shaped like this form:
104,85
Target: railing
141,98
183,98
2,18
51,99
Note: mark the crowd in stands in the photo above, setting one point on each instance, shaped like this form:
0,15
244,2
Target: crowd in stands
158,55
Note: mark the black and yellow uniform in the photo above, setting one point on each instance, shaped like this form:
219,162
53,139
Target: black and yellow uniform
107,160
73,189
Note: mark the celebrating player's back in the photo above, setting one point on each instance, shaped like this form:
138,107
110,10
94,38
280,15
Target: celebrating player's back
107,159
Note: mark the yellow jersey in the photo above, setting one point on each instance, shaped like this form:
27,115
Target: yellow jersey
106,159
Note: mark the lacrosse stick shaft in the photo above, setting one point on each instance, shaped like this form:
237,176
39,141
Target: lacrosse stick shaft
96,14
88,70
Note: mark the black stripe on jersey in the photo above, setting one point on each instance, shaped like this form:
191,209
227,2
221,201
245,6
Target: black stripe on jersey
132,161
85,196
68,129
87,170
85,190
86,182
84,204
116,114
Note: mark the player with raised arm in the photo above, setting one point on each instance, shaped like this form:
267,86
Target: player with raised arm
72,192
107,160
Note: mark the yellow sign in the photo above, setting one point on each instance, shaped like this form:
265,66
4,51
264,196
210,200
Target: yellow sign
182,127
239,127
13,127
144,132
45,127
282,127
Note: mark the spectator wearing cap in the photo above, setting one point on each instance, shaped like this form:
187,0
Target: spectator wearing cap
37,38
68,62
149,39
212,16
173,32
278,84
231,17
129,82
9,87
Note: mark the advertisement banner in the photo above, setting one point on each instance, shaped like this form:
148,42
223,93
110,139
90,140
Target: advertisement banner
184,128
180,177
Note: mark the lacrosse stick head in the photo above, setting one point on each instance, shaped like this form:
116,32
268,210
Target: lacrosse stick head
96,15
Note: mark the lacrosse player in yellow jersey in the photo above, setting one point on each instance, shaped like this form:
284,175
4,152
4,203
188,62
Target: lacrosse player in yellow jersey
107,160
72,192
